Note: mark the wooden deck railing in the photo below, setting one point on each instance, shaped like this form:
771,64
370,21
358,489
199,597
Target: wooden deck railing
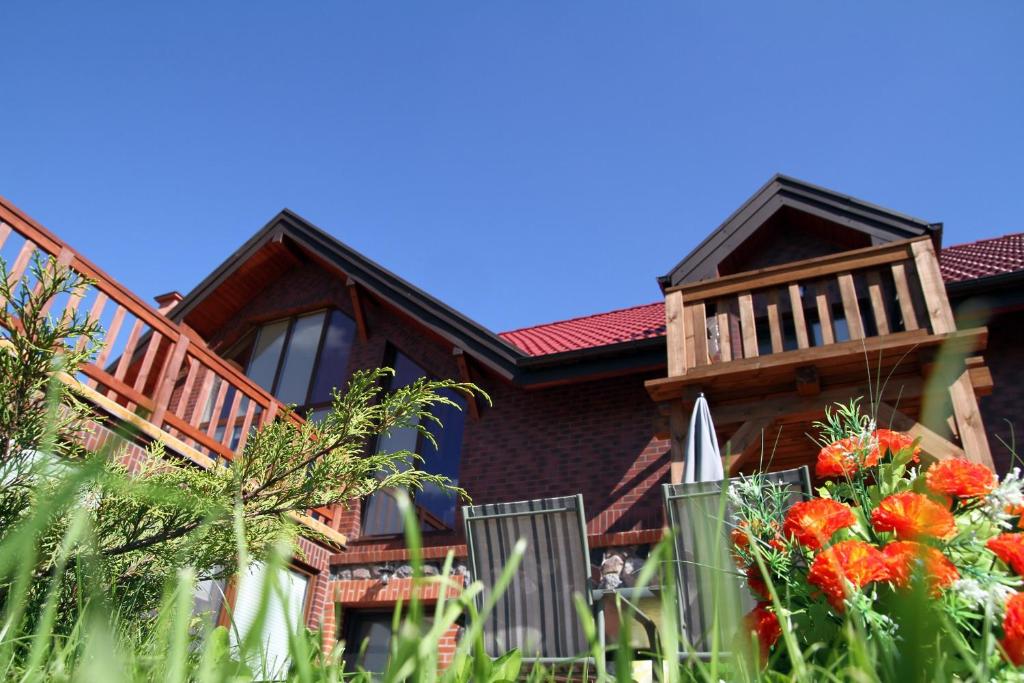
850,296
153,372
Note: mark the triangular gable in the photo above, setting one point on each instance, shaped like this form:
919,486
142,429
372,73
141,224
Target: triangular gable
873,224
287,239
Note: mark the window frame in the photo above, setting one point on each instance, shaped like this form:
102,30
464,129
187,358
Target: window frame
306,407
391,352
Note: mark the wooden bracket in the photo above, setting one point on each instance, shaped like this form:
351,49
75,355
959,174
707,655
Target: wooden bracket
463,363
357,309
746,442
932,443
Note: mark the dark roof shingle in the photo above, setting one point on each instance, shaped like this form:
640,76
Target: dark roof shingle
993,256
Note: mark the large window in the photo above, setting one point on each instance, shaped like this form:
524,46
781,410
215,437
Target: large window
301,359
435,507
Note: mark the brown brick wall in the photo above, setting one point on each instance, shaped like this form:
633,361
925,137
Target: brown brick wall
595,438
1003,410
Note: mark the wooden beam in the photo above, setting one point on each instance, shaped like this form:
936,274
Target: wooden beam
463,363
677,424
808,381
357,309
932,443
746,442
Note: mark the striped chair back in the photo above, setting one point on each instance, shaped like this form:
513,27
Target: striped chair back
536,614
706,580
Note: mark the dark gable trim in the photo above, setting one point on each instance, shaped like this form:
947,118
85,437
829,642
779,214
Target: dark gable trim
451,325
881,224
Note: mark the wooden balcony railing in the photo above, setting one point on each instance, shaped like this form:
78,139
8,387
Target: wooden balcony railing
855,295
152,373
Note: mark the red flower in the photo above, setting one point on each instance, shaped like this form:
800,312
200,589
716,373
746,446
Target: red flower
756,582
902,556
843,458
1010,549
765,625
911,516
894,442
1013,629
960,478
813,522
846,563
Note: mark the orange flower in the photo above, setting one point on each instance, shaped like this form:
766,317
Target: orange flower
902,556
843,458
1013,629
911,516
894,442
960,478
848,562
813,522
765,625
1010,549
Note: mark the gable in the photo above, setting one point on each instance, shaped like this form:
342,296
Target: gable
787,220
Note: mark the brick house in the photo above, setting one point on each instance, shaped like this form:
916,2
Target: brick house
793,301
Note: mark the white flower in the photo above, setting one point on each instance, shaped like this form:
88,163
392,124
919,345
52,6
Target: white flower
973,593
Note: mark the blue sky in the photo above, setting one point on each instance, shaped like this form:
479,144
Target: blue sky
522,161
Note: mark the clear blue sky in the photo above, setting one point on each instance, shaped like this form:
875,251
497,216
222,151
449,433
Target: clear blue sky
522,161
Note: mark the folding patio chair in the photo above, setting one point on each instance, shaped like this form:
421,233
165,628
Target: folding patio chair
701,543
537,613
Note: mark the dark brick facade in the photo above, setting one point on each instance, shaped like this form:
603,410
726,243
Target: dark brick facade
1003,410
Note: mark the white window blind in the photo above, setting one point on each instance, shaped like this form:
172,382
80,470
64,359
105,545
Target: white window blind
282,617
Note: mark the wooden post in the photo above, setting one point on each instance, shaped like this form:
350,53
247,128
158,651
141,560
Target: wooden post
961,391
675,330
464,376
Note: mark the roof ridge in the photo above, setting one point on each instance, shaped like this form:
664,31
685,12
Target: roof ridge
582,317
984,239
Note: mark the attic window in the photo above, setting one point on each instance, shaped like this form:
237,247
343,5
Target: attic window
301,359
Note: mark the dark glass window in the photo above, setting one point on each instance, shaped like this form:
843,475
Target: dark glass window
373,627
300,360
435,507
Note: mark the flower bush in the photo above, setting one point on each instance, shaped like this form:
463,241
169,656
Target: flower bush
889,546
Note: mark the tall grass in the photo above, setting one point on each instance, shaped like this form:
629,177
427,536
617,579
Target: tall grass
177,646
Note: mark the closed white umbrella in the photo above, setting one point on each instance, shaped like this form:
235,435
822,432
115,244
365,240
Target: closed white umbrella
703,459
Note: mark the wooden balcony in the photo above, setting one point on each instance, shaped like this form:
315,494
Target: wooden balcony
759,344
153,375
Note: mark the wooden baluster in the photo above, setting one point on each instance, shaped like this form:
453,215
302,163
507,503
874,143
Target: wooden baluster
20,263
147,361
232,419
202,397
724,333
675,330
218,407
250,412
94,315
748,326
877,297
64,259
899,278
797,303
109,338
851,308
699,325
5,232
181,405
165,388
824,312
270,414
125,361
774,321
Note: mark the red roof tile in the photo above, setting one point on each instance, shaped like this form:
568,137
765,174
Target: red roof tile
992,256
959,262
601,329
